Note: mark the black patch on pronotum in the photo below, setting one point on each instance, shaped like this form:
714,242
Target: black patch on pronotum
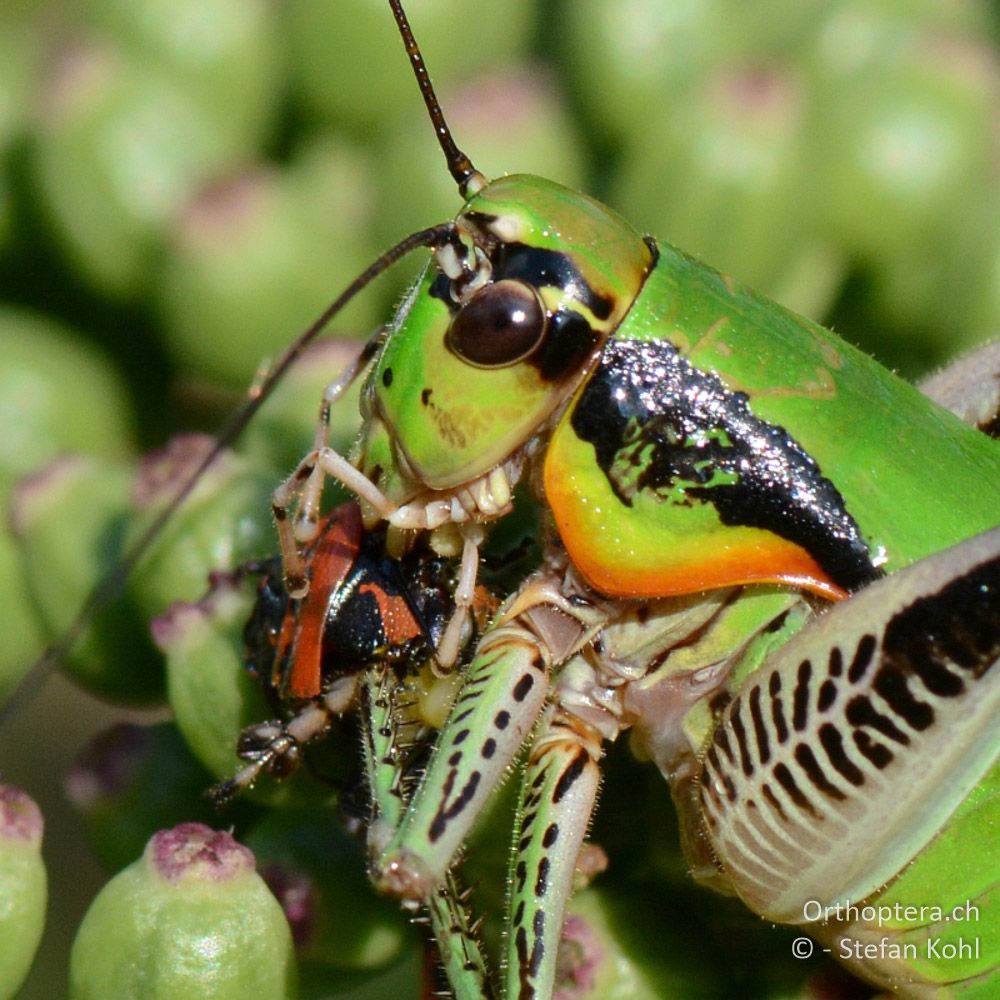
387,377
662,426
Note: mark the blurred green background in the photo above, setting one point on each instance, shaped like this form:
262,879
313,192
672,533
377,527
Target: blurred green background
185,184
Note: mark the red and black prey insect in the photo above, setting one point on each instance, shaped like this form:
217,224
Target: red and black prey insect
363,610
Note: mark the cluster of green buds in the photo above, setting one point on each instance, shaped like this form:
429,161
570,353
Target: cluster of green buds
184,185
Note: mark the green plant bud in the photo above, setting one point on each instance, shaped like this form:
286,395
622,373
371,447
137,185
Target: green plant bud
131,781
21,52
50,377
935,306
606,951
190,919
516,121
212,695
220,525
906,143
614,55
282,430
227,53
367,83
22,887
121,146
69,521
725,171
18,618
319,873
252,262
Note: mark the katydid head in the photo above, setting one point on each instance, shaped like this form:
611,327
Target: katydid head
504,323
486,348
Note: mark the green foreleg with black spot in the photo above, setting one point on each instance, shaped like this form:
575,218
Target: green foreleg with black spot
557,797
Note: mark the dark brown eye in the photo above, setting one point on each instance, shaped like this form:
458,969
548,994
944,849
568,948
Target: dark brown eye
501,324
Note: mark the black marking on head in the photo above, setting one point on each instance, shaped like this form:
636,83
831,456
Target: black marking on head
660,425
570,340
545,268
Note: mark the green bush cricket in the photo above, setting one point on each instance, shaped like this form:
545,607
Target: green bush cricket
705,456
715,471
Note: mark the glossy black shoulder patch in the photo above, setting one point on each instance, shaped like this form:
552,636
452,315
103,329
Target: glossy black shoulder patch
659,424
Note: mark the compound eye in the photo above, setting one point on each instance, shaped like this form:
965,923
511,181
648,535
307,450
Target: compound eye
502,323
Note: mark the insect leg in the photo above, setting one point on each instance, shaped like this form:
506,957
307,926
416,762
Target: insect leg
386,756
970,387
451,641
325,462
275,747
458,944
503,694
557,797
871,726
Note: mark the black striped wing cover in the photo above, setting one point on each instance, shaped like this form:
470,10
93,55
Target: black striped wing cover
845,754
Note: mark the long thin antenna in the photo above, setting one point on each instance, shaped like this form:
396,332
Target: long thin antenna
108,587
470,181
